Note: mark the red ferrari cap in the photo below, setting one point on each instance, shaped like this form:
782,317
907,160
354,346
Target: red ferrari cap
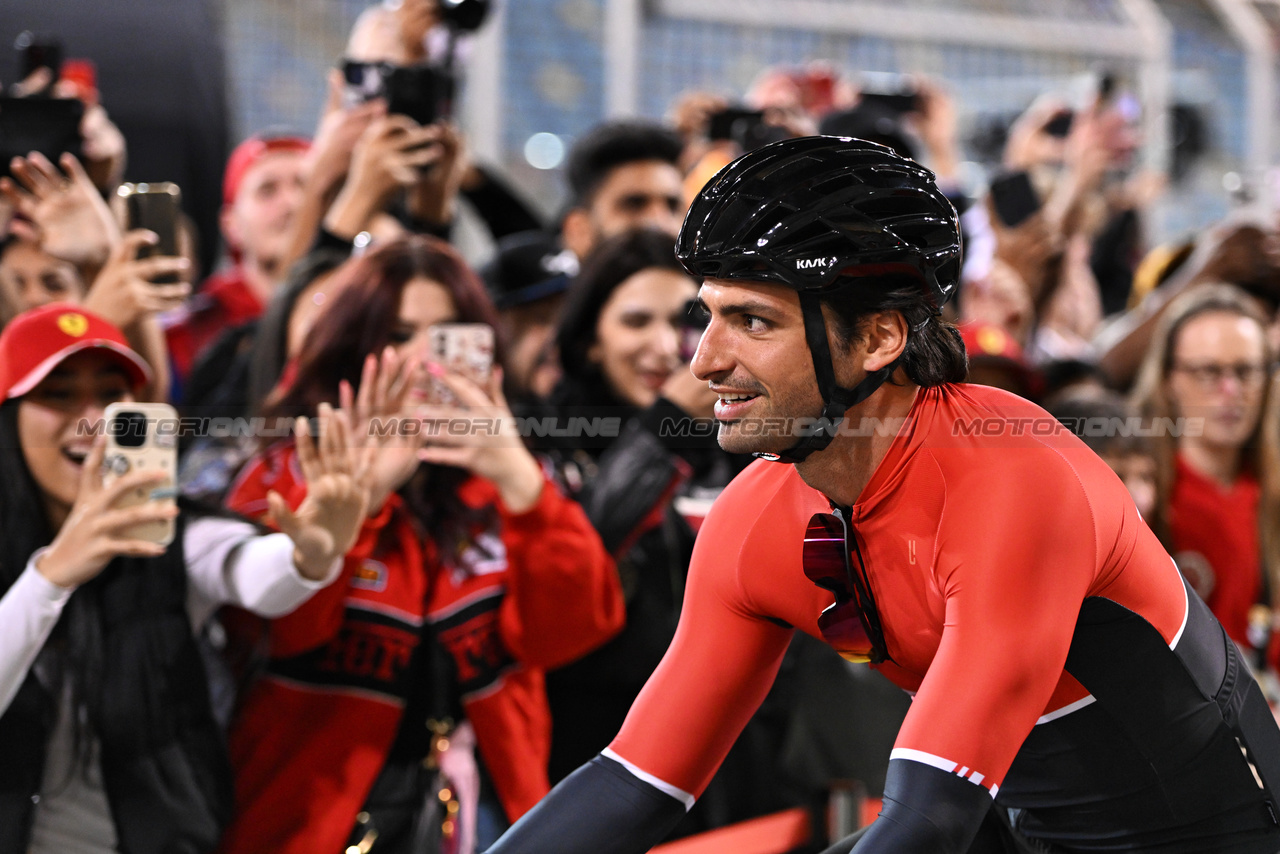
37,341
249,152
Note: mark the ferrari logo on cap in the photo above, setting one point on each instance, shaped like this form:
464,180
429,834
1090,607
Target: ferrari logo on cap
73,324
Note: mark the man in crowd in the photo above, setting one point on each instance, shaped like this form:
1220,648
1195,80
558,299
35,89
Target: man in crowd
622,175
1070,690
261,192
527,278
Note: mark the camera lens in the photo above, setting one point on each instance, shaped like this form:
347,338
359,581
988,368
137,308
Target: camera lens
464,15
129,429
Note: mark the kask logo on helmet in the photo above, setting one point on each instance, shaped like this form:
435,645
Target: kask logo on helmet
814,263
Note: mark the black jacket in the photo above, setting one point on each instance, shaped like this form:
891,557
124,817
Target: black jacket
164,762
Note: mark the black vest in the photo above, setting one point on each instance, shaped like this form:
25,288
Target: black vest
164,760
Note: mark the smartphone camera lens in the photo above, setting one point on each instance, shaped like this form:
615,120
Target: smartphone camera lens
129,429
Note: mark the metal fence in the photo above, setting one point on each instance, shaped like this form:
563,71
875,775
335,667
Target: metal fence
559,66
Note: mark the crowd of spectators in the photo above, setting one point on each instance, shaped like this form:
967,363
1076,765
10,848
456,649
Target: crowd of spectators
403,635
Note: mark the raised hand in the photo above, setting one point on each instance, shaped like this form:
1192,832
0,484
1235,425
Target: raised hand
434,196
491,447
104,148
414,19
379,414
325,526
339,130
387,157
66,214
124,292
95,532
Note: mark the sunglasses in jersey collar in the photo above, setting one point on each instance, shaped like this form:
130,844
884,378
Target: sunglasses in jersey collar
851,626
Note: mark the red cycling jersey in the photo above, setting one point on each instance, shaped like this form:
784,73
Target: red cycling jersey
984,529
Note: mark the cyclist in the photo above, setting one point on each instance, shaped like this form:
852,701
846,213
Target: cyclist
1071,693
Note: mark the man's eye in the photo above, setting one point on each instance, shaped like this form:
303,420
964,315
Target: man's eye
753,323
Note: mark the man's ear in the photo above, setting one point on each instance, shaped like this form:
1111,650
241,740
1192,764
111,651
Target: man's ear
577,232
230,233
885,337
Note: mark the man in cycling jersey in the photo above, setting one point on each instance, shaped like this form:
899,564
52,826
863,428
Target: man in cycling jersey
1070,691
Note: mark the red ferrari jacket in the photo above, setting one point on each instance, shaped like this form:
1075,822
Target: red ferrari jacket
533,591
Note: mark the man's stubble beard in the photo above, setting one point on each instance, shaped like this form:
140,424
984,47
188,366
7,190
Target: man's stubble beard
773,423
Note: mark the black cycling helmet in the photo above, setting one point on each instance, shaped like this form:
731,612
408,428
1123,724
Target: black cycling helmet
818,213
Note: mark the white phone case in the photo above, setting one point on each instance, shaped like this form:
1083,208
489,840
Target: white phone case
462,348
143,437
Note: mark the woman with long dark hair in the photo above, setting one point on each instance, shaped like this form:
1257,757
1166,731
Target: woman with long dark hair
471,575
106,731
1209,382
625,339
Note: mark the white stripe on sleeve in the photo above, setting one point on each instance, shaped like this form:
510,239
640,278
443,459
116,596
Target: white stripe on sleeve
662,786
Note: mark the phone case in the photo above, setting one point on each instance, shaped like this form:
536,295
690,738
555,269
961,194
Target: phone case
1015,198
140,437
157,207
462,348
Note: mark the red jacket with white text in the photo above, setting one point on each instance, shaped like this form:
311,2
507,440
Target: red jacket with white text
533,591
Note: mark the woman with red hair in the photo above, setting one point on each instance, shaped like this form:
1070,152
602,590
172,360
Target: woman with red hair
471,576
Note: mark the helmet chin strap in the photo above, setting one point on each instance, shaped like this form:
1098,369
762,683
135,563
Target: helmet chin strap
836,399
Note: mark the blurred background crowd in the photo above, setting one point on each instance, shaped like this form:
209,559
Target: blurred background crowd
349,175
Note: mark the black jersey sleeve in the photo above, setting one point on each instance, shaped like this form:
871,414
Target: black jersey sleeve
602,808
926,811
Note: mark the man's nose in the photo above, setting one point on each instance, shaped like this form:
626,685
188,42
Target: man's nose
711,359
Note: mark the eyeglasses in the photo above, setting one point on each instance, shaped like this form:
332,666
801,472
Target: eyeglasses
1210,375
852,625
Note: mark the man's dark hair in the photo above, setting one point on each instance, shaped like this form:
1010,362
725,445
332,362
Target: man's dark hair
612,144
934,353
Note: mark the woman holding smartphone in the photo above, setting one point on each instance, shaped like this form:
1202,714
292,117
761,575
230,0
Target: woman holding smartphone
108,739
471,575
625,338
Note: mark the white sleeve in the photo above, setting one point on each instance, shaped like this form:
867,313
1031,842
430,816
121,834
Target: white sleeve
28,613
230,563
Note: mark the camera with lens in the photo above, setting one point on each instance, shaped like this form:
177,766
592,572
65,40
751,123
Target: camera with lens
422,92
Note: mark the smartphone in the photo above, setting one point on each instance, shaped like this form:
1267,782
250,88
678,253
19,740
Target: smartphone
722,124
36,52
157,207
1014,198
143,437
50,126
82,76
747,128
462,348
896,93
422,93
